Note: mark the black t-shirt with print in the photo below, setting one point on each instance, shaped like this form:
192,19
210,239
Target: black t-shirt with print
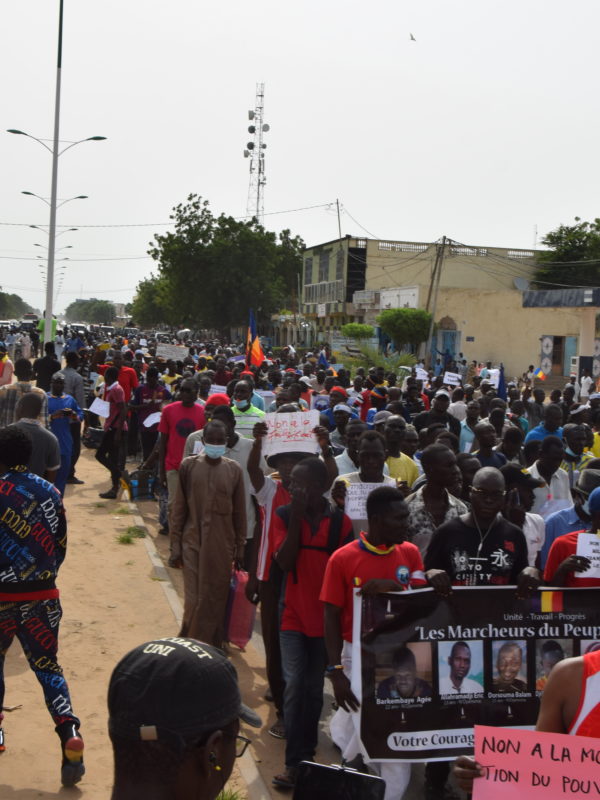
457,548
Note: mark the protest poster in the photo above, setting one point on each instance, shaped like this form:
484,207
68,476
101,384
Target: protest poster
588,545
428,669
100,407
356,499
494,378
152,419
525,765
172,352
421,374
291,432
452,379
216,389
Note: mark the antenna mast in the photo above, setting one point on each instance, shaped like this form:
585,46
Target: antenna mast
255,151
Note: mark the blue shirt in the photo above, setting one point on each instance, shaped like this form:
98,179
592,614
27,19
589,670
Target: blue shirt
557,524
540,432
467,436
257,401
61,426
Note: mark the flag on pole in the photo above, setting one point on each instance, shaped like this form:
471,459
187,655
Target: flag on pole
254,352
539,374
322,362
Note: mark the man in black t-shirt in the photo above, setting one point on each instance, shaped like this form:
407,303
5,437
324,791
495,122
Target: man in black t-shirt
482,548
438,413
45,367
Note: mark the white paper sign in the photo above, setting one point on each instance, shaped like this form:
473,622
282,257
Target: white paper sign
494,377
100,407
588,545
452,379
356,499
143,342
216,389
152,419
421,374
291,432
172,352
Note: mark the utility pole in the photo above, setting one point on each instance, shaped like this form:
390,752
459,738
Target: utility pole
255,151
337,202
433,292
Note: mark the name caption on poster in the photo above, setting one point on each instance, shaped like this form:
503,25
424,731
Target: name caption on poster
564,630
534,762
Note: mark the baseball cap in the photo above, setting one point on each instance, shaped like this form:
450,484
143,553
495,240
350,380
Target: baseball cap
306,381
442,393
343,407
381,416
338,390
174,690
218,399
594,500
514,475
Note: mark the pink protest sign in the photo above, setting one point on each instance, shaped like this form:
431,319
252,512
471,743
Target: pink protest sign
291,432
526,765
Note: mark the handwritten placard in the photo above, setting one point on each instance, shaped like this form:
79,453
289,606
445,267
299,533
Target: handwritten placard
152,419
588,545
356,499
172,352
291,432
452,379
525,765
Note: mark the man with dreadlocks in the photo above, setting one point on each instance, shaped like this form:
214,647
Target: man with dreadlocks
33,539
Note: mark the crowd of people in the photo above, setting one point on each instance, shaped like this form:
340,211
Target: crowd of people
474,483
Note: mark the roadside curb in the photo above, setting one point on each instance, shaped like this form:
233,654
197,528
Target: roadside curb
255,785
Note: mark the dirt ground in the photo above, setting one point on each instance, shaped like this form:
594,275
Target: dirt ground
116,596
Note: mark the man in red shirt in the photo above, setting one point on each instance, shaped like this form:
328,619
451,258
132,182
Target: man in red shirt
111,450
177,421
310,530
127,377
563,563
379,561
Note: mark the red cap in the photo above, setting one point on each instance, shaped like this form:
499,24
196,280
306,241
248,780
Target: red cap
339,390
218,400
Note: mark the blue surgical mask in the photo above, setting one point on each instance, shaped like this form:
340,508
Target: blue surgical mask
569,452
585,507
241,403
215,450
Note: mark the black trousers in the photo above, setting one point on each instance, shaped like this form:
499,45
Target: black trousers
76,436
268,592
111,454
148,438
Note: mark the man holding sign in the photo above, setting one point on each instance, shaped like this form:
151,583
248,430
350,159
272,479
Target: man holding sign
574,559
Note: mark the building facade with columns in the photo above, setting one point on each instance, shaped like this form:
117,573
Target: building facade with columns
477,298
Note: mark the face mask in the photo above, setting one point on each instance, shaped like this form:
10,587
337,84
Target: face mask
214,450
569,452
241,403
586,507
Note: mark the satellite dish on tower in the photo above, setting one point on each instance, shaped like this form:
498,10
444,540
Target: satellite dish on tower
522,284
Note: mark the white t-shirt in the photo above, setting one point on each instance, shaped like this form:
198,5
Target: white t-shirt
534,530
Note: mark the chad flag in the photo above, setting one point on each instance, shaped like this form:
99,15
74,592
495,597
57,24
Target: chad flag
254,352
549,601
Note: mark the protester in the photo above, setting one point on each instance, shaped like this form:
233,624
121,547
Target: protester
309,531
174,718
564,564
574,459
111,450
246,414
207,525
555,494
177,421
12,393
534,407
486,454
574,518
28,590
45,367
438,413
380,560
551,426
432,504
468,466
458,407
45,452
126,376
511,445
75,388
520,496
371,463
149,399
63,411
401,466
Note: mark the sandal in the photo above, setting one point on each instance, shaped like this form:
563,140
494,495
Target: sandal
285,780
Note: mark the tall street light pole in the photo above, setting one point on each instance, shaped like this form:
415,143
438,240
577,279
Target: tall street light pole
48,335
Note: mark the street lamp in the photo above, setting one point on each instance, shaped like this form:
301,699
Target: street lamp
45,199
54,183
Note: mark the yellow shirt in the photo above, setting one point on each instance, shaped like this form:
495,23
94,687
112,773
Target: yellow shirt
403,468
596,447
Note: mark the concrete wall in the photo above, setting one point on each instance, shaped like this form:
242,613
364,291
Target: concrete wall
503,330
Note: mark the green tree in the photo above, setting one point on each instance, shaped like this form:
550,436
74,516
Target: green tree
215,268
568,245
149,306
92,310
358,331
405,326
13,307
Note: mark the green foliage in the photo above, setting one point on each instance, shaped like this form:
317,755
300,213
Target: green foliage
211,270
97,311
367,357
405,326
568,245
358,331
13,307
150,306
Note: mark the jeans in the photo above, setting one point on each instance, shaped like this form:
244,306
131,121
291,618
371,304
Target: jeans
303,659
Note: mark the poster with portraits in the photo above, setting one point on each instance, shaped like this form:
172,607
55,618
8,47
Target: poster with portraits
427,668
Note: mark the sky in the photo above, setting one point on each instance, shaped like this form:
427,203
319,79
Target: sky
484,129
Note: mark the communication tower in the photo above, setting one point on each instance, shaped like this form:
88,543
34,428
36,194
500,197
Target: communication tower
255,152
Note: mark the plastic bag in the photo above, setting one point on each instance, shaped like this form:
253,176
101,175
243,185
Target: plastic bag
240,613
